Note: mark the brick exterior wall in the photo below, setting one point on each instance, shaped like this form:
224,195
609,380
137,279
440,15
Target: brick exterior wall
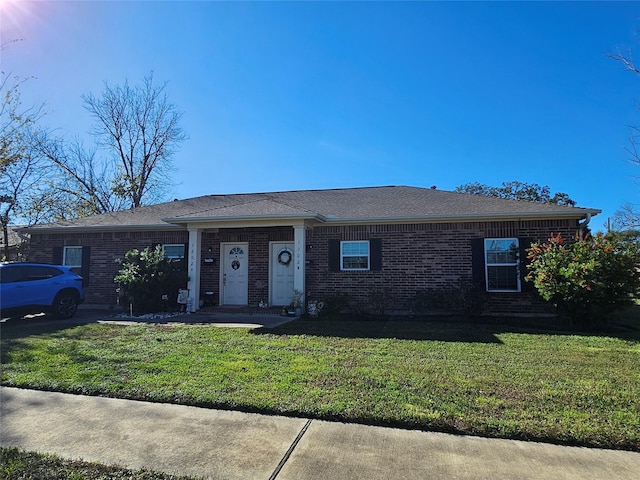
414,257
106,247
422,256
258,273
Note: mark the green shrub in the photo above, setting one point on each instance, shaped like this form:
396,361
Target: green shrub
461,297
334,305
380,299
587,279
147,276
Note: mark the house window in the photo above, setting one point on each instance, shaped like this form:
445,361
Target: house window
502,264
72,257
354,255
173,251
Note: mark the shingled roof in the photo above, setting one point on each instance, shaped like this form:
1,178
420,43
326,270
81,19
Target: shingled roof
348,205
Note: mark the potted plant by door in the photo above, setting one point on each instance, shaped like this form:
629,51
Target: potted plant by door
296,303
314,307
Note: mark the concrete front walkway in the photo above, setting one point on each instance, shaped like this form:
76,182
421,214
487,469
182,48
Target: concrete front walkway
86,315
234,445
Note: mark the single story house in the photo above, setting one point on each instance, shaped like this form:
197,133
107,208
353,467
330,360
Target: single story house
247,249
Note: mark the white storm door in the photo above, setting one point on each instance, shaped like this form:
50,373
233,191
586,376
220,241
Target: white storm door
234,280
282,267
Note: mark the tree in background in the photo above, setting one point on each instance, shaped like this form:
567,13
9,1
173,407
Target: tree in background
21,166
515,190
588,279
628,216
137,129
82,185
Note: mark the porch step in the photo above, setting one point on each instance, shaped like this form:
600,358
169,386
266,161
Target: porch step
245,310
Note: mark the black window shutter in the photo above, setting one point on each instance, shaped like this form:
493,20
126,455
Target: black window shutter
186,251
57,255
334,255
477,263
375,252
523,244
86,265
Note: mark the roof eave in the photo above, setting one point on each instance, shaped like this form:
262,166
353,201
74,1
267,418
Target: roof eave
471,217
180,223
246,218
102,228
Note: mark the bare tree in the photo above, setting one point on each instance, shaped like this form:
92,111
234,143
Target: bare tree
137,131
628,216
626,60
82,184
140,127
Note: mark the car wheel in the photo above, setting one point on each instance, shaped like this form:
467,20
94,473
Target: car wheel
65,305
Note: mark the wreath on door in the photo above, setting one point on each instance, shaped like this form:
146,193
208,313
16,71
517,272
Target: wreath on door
285,257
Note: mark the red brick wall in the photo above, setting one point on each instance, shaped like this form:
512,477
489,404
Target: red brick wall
105,249
420,256
414,257
258,273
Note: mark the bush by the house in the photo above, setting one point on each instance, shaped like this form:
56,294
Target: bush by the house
149,281
589,278
334,305
380,300
461,297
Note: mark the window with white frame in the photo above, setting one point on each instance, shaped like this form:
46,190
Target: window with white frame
502,264
354,255
72,258
173,251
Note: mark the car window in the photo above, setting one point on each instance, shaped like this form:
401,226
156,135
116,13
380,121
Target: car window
40,272
11,274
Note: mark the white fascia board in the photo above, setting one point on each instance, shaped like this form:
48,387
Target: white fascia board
104,228
466,218
181,223
243,221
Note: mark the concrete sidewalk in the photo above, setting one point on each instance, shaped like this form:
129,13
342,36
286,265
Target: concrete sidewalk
233,445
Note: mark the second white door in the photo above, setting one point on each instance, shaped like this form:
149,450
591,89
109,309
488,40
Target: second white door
281,273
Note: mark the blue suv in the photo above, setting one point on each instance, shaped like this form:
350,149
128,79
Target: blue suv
37,287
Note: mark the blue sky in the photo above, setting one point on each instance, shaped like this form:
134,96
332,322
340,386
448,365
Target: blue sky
302,95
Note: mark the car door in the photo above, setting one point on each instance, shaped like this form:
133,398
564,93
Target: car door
12,287
43,284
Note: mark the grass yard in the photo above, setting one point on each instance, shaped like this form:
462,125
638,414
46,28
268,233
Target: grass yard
16,464
475,378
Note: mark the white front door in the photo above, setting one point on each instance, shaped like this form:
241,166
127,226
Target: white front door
282,268
234,280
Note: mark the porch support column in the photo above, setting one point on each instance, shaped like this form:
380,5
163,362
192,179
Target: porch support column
195,253
299,249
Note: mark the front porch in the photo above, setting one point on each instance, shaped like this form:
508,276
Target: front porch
237,269
240,310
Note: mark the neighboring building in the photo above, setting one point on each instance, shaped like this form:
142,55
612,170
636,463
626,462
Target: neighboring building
16,245
246,248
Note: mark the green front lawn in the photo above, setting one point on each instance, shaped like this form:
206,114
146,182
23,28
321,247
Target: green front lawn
486,379
16,464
